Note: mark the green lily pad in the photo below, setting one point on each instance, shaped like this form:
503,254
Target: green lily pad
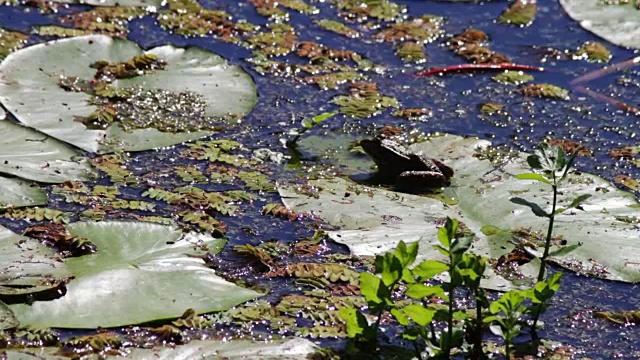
373,220
141,272
32,155
286,349
617,23
19,193
156,3
31,269
31,90
7,318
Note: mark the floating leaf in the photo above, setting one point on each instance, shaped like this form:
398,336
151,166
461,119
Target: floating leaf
154,3
338,27
32,91
521,12
617,23
36,270
512,77
411,52
11,41
545,90
483,189
142,272
17,193
593,51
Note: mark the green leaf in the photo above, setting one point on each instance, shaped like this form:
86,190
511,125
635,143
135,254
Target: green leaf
372,289
406,254
429,268
400,317
418,313
141,272
392,269
420,291
356,322
534,176
309,123
461,245
535,208
534,162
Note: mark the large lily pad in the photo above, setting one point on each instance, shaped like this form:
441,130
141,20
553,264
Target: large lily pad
374,220
29,269
286,349
29,89
156,3
619,24
141,272
18,193
32,155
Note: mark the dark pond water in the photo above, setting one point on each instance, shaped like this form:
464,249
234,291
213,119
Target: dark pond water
455,101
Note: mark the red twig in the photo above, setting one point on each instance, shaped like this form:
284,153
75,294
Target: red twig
473,67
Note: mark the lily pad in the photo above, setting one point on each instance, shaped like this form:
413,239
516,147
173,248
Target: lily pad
29,269
286,349
32,155
617,23
373,220
156,3
30,89
19,193
141,272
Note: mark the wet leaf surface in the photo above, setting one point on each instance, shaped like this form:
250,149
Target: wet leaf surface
141,272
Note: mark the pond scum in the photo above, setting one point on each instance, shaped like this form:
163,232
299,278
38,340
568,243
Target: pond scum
333,287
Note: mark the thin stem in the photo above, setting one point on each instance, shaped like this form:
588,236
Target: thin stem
447,350
477,336
547,243
417,350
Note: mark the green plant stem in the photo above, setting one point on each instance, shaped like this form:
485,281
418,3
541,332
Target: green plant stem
547,243
477,332
447,350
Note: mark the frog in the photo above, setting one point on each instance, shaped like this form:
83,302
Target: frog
407,170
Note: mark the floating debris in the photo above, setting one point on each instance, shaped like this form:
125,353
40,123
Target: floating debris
424,29
470,45
364,101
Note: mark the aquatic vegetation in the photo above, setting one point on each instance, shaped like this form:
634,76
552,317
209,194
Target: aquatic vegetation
424,29
512,77
11,41
491,108
411,52
167,275
470,45
593,51
362,10
413,113
142,117
189,18
545,90
521,13
276,40
338,28
364,101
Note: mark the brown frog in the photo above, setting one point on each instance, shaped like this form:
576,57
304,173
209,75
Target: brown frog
408,171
